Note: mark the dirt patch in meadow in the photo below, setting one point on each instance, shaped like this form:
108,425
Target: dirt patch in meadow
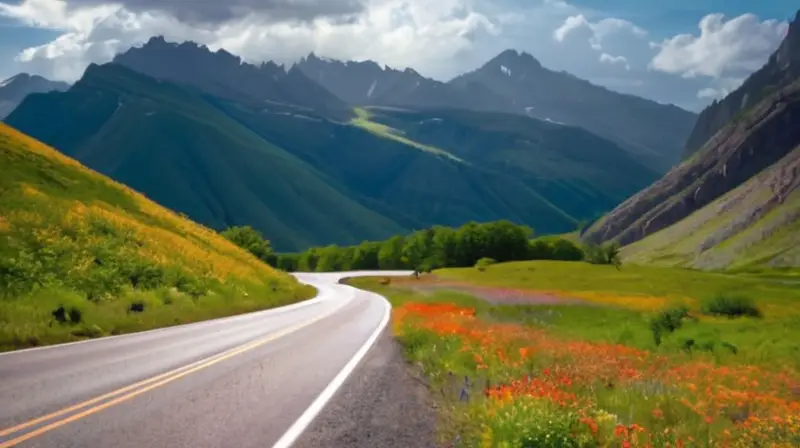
493,295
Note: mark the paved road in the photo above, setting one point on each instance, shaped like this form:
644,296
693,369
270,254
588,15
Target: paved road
255,380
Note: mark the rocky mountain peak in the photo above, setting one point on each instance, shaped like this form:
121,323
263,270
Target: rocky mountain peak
514,59
789,51
782,68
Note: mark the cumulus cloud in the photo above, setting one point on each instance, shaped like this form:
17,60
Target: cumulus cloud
737,46
598,31
608,59
396,32
604,37
218,11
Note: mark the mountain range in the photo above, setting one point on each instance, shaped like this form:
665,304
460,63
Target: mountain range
231,143
13,90
735,201
515,82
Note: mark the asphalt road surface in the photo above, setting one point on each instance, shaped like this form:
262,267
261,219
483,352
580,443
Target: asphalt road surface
255,380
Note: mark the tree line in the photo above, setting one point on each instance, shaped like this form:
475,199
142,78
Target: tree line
429,249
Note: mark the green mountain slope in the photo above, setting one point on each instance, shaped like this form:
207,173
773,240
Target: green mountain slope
172,145
414,184
72,239
306,179
582,173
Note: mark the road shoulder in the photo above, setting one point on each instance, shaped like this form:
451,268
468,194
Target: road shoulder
380,405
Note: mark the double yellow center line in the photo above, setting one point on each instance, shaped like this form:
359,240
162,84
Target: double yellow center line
97,404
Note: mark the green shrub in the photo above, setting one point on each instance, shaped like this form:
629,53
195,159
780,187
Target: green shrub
484,263
251,240
731,306
566,250
602,254
667,321
539,249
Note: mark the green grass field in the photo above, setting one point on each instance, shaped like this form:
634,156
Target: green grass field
630,296
642,287
82,256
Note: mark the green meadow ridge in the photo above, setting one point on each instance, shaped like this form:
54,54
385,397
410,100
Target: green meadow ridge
306,177
82,256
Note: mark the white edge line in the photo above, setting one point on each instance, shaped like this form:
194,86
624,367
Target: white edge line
267,312
297,428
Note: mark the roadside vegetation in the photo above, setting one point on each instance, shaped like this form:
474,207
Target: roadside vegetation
555,354
82,256
445,247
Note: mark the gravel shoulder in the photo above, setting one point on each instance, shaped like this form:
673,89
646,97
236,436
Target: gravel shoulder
381,405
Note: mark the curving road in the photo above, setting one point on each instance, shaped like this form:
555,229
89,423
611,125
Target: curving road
255,380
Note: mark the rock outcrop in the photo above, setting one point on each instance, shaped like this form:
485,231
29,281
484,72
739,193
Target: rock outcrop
747,145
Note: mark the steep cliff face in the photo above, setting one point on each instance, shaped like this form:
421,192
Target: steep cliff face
782,68
746,146
753,226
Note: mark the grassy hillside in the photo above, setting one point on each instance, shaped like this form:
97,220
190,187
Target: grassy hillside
757,225
171,144
111,260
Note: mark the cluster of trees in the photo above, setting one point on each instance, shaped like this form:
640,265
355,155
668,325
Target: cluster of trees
425,250
435,248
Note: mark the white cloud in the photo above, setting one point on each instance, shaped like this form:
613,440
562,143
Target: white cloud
598,31
399,33
739,45
720,88
709,92
571,24
609,59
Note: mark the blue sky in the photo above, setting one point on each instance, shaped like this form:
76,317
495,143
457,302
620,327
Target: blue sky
634,46
675,16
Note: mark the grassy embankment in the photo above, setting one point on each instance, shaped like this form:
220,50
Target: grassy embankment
82,256
592,374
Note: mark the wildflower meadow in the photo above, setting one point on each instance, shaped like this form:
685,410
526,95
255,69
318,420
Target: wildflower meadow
508,383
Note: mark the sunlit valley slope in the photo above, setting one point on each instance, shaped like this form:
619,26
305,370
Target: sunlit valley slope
71,239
